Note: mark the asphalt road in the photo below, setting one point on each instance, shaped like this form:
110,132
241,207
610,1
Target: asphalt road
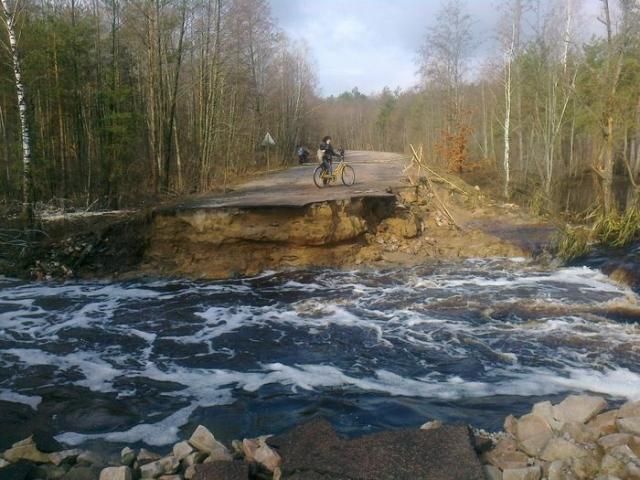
294,187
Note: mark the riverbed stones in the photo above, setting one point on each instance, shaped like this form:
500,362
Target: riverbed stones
25,450
627,425
527,473
579,408
562,449
64,456
629,409
256,450
116,473
127,456
203,440
533,433
182,450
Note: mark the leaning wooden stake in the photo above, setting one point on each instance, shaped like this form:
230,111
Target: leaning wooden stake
418,160
27,184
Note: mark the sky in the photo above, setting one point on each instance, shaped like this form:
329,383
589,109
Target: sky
373,43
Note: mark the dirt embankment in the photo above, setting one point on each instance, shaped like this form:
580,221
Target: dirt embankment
437,221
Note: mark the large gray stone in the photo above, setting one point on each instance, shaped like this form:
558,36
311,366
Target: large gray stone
545,410
314,450
615,439
605,423
127,456
579,408
626,425
182,450
116,473
629,409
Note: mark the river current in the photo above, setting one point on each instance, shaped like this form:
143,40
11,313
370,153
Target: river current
144,362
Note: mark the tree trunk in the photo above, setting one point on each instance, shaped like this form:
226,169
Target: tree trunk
27,182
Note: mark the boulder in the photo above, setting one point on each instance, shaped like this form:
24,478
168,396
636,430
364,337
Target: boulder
145,456
505,455
81,472
629,409
585,468
431,425
25,450
407,227
170,477
492,473
218,456
610,465
116,473
257,450
221,470
533,433
182,450
528,473
89,458
615,439
605,423
64,456
579,432
579,408
558,470
203,440
165,466
3,463
48,471
127,456
545,410
561,449
510,425
190,472
627,425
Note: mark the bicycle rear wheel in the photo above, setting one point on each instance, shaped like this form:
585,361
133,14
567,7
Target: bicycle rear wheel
318,177
348,175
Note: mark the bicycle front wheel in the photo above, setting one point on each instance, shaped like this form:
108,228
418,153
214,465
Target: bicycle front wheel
348,175
318,178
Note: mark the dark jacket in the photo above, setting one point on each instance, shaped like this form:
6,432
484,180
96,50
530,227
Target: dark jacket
329,153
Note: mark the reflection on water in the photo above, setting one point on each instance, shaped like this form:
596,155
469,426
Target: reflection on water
471,342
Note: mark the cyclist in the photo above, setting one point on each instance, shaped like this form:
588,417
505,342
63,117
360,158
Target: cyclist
327,154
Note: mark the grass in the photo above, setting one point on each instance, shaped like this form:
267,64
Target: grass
615,230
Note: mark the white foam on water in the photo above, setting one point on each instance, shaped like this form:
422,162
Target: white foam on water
32,400
161,433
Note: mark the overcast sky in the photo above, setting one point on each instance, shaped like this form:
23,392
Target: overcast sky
372,43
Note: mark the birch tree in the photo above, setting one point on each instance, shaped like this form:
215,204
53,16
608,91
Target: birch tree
27,183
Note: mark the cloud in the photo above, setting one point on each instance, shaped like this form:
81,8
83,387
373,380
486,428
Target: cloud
373,43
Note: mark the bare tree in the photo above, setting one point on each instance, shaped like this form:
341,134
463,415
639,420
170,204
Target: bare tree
27,184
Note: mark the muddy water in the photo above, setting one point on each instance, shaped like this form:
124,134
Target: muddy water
143,362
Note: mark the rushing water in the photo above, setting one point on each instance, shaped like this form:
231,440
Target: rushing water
146,361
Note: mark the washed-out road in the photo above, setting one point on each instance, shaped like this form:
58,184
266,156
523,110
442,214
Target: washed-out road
376,172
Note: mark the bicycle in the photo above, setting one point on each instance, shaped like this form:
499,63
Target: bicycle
345,172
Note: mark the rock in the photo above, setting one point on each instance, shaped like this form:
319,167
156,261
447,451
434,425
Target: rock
127,456
25,450
50,472
610,465
629,409
182,450
407,227
170,477
257,450
580,432
607,477
194,458
116,473
508,460
221,470
482,443
492,473
80,472
579,408
605,423
626,425
633,471
545,410
533,433
152,470
3,463
510,425
190,472
17,471
277,474
145,456
89,458
529,473
45,441
431,425
65,456
561,449
585,468
203,440
219,456
615,439
557,470
318,452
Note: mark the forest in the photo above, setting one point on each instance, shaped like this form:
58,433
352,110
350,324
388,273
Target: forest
131,100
